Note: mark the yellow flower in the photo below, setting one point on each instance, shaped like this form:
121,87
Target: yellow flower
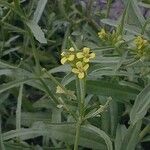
71,49
86,54
80,69
59,90
67,56
140,42
102,34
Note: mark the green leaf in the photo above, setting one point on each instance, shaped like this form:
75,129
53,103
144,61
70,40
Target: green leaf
18,111
144,5
62,68
120,133
28,118
138,12
113,89
6,86
141,105
5,72
120,28
131,137
37,31
90,137
39,10
103,135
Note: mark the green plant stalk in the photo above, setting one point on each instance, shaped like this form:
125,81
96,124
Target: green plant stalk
67,33
100,110
56,82
77,137
55,100
73,44
62,9
5,17
50,94
35,54
80,87
108,8
145,131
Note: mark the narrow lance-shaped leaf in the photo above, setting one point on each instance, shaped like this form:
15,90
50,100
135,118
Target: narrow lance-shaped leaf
65,132
37,31
39,10
103,135
141,105
131,137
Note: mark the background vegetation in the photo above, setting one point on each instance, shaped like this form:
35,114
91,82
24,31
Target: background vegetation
33,33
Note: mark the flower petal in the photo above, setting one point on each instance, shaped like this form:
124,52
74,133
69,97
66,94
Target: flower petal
102,34
79,64
63,60
86,50
63,54
86,59
71,49
59,90
92,55
79,55
81,75
71,57
86,67
75,70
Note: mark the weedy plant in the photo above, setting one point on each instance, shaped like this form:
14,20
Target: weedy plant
72,77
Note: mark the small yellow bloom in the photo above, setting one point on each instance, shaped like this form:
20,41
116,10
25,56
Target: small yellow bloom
71,49
86,54
102,34
59,90
80,69
140,42
67,57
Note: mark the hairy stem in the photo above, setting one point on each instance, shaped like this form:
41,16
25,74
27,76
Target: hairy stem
77,137
80,87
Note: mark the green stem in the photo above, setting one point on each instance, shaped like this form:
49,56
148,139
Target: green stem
78,126
56,82
80,87
5,17
108,8
55,100
34,53
62,9
144,132
50,94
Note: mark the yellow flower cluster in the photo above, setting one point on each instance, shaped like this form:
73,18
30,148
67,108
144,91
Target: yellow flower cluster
141,46
69,56
111,38
79,61
140,42
102,34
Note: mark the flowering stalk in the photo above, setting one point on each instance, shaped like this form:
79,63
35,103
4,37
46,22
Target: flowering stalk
79,62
